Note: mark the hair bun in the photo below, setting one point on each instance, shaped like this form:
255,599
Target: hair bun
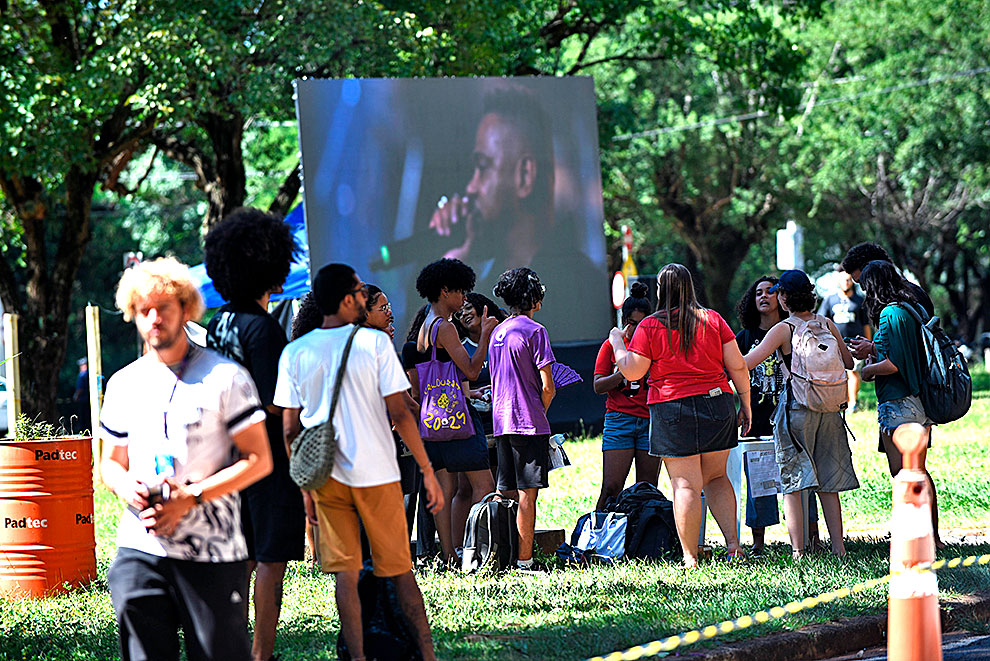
638,289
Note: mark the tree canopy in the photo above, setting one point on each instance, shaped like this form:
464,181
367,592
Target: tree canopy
143,124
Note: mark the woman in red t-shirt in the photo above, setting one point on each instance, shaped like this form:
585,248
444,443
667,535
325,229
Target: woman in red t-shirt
687,350
627,418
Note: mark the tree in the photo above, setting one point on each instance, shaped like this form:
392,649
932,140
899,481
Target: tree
243,57
902,147
716,172
79,90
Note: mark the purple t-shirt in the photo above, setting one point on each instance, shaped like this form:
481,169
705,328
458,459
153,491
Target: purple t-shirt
518,349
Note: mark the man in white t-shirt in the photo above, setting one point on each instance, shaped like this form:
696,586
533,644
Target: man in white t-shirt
365,478
184,431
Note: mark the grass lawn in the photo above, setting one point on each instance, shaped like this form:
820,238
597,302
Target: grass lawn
571,613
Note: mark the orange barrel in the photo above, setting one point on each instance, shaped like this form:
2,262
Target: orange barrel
47,536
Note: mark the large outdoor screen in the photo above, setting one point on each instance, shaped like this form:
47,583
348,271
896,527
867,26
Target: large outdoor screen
499,172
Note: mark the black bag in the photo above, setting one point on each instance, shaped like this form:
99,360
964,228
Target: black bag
491,536
946,386
650,530
387,634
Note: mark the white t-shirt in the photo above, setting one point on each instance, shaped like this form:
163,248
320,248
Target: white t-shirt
213,400
307,370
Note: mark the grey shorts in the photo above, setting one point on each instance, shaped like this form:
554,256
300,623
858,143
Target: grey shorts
812,450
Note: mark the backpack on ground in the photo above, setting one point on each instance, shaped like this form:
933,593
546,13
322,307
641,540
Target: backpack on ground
818,375
650,528
491,536
946,386
387,634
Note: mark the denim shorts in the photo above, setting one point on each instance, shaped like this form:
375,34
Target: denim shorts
693,425
625,432
896,412
462,455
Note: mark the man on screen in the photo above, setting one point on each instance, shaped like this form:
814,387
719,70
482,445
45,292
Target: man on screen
506,212
508,203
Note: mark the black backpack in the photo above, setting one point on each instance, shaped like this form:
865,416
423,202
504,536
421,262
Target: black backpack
946,386
650,528
387,634
491,536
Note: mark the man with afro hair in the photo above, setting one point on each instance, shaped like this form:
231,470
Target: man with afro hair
248,255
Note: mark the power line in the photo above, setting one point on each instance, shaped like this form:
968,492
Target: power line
969,73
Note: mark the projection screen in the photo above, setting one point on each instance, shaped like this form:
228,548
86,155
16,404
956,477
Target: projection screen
499,172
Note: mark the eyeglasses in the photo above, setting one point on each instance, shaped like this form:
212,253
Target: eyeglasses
385,308
361,289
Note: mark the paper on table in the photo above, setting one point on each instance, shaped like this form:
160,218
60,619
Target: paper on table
764,475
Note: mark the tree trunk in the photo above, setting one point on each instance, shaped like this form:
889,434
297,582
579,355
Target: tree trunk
287,192
227,189
44,311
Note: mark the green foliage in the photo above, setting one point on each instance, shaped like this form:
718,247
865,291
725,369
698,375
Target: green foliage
674,168
69,69
33,429
898,145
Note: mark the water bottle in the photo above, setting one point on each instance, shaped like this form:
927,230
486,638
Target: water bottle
164,468
164,465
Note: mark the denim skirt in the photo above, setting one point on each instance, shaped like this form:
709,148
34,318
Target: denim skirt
693,425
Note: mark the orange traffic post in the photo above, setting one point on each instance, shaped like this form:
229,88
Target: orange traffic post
914,631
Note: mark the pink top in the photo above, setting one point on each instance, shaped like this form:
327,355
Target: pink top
674,375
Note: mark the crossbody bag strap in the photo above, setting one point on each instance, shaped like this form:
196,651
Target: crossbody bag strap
340,373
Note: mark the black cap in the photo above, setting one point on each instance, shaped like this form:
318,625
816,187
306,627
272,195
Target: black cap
793,281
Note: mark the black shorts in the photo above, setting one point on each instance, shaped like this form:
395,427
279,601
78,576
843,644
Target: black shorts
466,454
273,518
153,597
523,461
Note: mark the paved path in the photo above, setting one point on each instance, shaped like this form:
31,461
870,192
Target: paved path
956,646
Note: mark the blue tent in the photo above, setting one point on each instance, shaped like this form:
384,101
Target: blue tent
296,285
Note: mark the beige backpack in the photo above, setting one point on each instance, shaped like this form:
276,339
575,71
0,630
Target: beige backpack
817,374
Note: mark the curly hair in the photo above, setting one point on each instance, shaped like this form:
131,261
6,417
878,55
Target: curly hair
417,323
446,273
637,301
883,285
249,253
307,318
520,288
746,310
479,301
862,254
165,276
800,301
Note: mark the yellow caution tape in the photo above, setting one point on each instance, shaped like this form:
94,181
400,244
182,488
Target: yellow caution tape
775,613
